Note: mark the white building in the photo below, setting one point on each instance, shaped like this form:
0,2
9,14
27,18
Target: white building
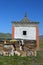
25,30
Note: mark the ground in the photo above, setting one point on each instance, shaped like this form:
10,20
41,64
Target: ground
17,60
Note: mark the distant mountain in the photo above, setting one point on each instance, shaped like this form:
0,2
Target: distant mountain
5,36
41,37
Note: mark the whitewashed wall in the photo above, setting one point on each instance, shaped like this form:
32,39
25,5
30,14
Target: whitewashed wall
31,33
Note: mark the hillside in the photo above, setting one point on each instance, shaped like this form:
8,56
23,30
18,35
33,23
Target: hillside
5,36
41,37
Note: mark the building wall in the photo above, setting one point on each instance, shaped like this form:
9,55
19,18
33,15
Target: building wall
34,35
30,33
37,37
12,32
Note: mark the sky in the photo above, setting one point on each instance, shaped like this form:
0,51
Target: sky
14,10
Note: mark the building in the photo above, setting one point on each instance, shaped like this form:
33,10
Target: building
26,30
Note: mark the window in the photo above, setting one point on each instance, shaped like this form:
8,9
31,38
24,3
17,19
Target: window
24,32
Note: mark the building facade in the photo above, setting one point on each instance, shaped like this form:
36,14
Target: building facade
26,30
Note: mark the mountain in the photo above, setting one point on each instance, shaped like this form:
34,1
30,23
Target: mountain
5,36
41,37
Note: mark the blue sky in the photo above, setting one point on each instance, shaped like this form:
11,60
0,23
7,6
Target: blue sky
15,9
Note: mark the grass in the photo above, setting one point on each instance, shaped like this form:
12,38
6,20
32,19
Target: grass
17,60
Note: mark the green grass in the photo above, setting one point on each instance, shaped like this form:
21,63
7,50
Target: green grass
17,60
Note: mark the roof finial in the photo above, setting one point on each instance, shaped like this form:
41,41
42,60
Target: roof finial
25,14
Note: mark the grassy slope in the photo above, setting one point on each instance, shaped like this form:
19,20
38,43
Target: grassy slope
5,36
15,60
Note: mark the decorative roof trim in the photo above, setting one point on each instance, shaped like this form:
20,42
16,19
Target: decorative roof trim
13,22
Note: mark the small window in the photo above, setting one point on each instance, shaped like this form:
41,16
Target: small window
24,32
